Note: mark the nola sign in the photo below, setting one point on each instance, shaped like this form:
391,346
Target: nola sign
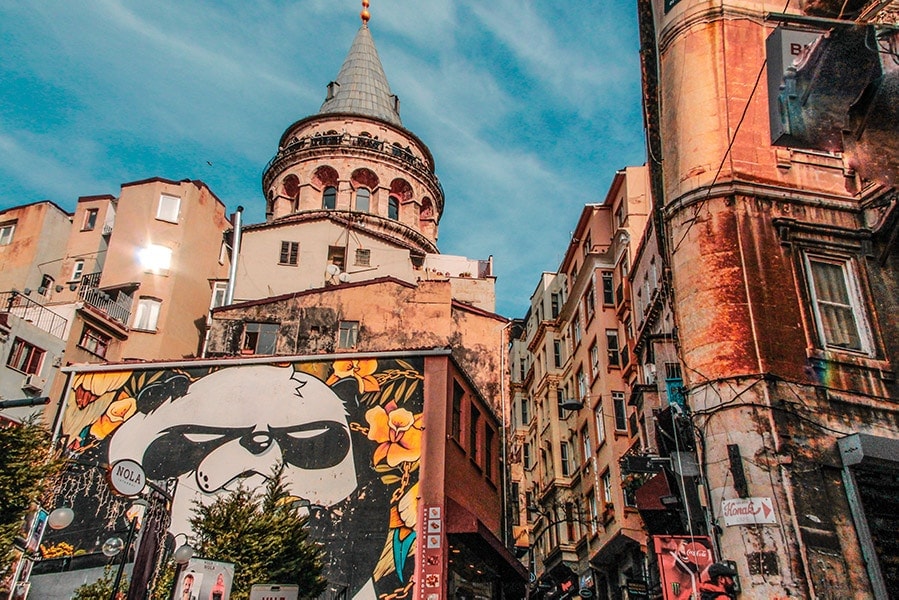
127,477
274,592
748,511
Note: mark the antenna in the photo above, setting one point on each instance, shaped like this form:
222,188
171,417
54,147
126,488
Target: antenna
343,277
332,270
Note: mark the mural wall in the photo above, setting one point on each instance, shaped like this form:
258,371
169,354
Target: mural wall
348,432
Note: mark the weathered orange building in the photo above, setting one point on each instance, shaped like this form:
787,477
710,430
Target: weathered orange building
782,265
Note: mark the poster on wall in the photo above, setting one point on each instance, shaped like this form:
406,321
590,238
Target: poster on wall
681,561
203,579
349,433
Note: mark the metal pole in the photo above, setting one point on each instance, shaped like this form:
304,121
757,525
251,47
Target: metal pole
121,569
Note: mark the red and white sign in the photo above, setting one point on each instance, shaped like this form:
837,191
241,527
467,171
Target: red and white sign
748,511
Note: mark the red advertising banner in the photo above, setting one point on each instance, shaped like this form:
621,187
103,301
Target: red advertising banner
681,560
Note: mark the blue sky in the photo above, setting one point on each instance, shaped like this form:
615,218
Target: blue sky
528,106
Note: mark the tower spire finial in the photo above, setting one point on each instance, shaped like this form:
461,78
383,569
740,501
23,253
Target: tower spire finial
365,14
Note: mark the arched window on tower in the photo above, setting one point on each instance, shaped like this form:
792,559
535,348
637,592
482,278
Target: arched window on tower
393,208
329,198
363,199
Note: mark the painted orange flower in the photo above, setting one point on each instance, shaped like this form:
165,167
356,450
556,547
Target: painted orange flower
116,413
398,433
89,387
361,370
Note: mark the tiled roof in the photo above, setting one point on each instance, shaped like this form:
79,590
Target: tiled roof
361,87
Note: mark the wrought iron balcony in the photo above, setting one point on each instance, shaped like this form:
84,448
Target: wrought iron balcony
20,305
114,304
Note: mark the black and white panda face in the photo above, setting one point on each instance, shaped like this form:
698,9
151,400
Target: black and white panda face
232,427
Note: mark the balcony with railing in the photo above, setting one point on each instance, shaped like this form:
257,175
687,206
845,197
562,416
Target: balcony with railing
115,304
20,305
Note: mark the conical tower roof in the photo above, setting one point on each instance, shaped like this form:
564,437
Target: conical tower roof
361,87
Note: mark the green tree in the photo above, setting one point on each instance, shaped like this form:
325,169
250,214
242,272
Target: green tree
28,467
265,537
102,588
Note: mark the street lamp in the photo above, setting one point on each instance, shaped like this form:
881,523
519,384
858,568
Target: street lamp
61,518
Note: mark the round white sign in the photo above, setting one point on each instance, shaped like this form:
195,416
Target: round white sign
127,477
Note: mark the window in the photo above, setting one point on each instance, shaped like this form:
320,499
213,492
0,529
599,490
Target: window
620,411
489,435
363,257
168,208
363,199
260,338
564,455
585,441
77,270
612,345
90,219
94,341
25,357
837,304
560,400
600,425
606,483
608,289
456,423
218,294
337,256
290,253
582,385
349,334
526,455
147,314
594,360
473,426
329,198
557,353
576,328
674,384
6,232
155,259
393,208
46,285
525,417
555,303
588,244
572,276
590,300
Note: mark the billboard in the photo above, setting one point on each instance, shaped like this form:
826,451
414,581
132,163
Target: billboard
204,579
349,433
681,560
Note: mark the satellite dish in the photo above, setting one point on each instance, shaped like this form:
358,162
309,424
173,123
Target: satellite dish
343,277
332,270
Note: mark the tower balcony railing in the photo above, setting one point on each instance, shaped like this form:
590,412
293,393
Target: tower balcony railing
20,305
115,305
380,148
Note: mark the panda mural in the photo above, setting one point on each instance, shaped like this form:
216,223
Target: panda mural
348,433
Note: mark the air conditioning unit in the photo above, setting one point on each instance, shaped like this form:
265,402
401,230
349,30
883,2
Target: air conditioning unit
33,383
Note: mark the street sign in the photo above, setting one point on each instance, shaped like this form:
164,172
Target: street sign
274,592
748,511
127,477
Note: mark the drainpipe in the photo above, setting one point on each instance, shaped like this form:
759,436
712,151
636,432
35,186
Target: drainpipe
235,253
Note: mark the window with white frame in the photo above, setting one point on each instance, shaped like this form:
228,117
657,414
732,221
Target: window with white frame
612,347
526,455
590,299
594,360
565,457
837,303
576,328
349,334
560,400
25,357
168,208
557,353
600,424
620,408
219,289
582,385
606,483
608,288
6,233
525,412
146,316
585,441
77,270
156,258
90,219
